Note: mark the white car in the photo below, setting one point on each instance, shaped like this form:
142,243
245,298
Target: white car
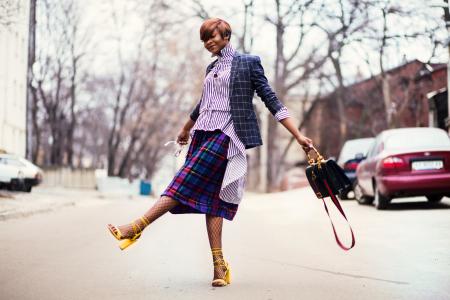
17,173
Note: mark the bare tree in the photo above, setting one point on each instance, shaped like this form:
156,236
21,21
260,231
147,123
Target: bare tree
9,12
199,10
55,78
247,37
291,69
77,49
89,136
393,23
341,22
144,89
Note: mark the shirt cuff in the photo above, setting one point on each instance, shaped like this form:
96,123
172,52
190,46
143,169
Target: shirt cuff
282,114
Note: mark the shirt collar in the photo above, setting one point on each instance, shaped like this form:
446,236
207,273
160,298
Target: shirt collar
226,52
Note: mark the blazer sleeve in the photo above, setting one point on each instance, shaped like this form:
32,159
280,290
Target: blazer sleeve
265,92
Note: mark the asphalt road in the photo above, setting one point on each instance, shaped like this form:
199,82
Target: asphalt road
280,246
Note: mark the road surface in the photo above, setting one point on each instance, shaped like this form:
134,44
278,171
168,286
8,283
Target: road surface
280,246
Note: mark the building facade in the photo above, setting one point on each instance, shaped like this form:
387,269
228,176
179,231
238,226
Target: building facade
410,85
438,108
13,79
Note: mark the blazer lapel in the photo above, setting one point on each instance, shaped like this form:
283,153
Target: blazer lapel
234,68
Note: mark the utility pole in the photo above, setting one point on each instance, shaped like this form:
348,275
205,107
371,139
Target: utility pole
30,63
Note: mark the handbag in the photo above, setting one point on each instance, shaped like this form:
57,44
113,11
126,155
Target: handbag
327,179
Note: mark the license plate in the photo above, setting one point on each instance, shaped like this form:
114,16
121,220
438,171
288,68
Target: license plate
427,165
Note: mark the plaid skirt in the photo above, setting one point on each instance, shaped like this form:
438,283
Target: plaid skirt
196,186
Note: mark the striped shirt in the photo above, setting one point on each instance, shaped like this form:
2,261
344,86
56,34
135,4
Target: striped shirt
215,114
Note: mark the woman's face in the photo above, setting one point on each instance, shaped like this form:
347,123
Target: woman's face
215,43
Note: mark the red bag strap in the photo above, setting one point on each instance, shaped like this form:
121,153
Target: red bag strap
338,205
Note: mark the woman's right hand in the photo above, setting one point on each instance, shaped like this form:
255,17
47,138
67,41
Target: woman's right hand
183,137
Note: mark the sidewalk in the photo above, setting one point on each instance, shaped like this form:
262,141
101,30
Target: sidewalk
43,199
46,199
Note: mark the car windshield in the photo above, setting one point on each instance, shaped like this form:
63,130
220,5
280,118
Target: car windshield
353,147
417,138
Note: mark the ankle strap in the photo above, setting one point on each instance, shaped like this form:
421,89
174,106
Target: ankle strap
145,220
216,250
135,228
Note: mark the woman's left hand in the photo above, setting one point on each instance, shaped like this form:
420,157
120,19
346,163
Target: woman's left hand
305,142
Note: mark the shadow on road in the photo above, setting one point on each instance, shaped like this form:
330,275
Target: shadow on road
417,206
413,205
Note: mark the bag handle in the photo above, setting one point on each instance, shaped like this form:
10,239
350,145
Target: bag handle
319,158
338,205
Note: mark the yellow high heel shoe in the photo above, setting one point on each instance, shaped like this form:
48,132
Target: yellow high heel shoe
220,262
126,242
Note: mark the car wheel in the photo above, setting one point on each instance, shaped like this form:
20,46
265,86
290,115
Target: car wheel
381,201
27,188
435,198
359,196
19,183
343,196
16,185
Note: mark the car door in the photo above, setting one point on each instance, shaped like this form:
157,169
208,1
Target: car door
366,169
8,170
372,166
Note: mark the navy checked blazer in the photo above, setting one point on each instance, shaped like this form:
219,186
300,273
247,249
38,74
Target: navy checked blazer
246,77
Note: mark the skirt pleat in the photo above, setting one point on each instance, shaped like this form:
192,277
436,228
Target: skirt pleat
196,186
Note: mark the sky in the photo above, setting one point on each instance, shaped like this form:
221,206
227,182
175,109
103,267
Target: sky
97,18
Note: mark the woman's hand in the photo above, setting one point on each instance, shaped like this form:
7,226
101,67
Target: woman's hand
183,137
305,142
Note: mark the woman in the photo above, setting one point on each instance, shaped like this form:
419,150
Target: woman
222,126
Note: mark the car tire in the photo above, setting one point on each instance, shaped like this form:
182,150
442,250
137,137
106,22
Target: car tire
343,197
434,198
381,201
16,185
359,196
27,188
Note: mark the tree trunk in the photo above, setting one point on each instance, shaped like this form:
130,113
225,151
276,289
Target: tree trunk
126,158
387,99
36,132
72,123
112,135
385,76
340,98
271,122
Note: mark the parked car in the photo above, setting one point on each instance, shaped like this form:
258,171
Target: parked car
352,153
17,173
403,163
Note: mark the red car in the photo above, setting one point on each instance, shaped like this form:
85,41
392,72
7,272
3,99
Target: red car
405,162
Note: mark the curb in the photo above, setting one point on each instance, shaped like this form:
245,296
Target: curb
22,214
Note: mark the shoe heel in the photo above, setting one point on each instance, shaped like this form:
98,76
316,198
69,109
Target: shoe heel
228,275
126,243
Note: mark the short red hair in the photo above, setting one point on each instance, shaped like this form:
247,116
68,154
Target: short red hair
208,27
